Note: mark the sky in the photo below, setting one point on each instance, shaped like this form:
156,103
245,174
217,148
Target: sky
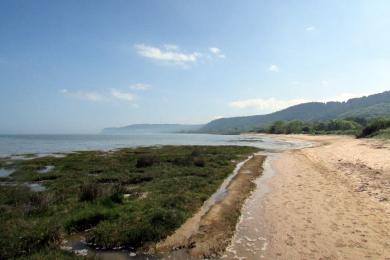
79,66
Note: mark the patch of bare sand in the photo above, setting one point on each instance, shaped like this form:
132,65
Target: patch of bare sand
207,235
330,201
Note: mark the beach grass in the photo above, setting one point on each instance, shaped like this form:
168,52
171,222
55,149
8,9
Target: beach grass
129,197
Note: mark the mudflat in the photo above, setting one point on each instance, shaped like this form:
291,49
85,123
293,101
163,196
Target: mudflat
329,201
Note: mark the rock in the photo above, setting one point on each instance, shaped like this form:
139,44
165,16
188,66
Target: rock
81,252
361,188
66,248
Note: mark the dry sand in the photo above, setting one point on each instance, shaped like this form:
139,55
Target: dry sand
330,201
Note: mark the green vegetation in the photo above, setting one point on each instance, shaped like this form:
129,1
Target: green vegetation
369,107
127,197
361,127
379,128
339,126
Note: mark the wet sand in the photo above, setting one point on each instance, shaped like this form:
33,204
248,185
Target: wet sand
330,201
208,232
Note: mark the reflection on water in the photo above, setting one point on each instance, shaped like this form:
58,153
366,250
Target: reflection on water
77,244
248,242
6,172
36,187
46,169
23,157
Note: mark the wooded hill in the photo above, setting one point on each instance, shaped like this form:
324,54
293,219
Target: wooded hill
372,106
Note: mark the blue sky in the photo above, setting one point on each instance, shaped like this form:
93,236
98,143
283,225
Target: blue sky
79,66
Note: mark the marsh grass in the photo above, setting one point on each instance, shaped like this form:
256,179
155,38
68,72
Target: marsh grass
127,197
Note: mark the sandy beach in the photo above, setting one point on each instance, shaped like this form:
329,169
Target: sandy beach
329,201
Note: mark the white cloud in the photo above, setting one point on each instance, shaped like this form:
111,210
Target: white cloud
167,55
310,28
122,95
217,52
172,54
274,68
140,86
107,95
84,95
270,104
343,97
217,117
171,47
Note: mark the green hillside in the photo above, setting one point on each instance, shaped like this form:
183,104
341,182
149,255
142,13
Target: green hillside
368,107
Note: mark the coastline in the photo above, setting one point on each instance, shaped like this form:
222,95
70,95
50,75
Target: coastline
329,201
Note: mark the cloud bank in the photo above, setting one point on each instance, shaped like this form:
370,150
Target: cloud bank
269,104
274,104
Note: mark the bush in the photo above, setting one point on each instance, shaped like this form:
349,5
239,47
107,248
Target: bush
108,234
37,203
182,161
117,192
136,178
89,192
21,238
146,161
87,218
199,162
374,127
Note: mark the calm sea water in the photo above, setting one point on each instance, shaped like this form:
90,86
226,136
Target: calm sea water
48,144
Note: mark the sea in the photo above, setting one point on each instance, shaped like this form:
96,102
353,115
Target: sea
11,145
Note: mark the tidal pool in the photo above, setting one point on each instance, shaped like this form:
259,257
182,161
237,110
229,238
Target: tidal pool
36,187
46,169
6,172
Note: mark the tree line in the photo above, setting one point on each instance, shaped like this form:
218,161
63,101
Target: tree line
360,127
